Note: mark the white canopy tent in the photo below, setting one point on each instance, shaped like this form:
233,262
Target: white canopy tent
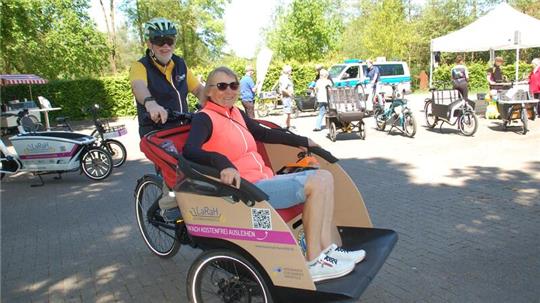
502,28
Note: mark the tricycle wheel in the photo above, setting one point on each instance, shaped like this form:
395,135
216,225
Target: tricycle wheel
409,125
159,236
524,120
468,123
380,120
224,276
332,131
431,120
362,130
96,164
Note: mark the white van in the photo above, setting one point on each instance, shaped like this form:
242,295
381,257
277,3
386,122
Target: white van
354,71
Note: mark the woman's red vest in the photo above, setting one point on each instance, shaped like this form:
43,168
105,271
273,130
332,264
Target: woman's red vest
231,138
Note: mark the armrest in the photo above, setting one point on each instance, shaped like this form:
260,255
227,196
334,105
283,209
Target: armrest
247,193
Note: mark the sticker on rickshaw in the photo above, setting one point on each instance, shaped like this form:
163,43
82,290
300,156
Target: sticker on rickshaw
246,234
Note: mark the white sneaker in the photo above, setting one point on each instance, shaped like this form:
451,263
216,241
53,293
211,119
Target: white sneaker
339,253
325,267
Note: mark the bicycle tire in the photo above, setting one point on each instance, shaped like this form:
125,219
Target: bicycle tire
408,120
428,111
117,150
156,238
96,164
233,278
467,119
524,120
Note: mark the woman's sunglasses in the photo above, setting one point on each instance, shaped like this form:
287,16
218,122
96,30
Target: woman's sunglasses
162,40
223,86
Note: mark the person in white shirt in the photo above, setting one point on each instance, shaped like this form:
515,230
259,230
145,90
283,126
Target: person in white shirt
322,98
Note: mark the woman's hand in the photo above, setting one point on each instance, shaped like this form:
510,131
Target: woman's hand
311,143
230,176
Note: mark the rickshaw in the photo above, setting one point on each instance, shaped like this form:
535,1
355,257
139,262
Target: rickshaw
251,251
346,110
515,104
447,106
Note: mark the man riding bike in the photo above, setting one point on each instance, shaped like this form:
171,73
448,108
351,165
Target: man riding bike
160,80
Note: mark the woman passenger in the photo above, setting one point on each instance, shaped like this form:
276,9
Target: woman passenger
224,137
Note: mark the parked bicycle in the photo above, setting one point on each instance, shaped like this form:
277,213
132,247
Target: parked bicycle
447,106
104,134
398,115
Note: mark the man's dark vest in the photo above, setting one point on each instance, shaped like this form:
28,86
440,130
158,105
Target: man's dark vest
162,90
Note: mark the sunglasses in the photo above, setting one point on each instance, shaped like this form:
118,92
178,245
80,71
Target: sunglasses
223,86
162,40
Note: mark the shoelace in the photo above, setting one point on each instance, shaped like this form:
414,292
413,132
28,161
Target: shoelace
327,260
339,249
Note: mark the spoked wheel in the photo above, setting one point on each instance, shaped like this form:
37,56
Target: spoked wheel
468,123
263,109
96,164
409,125
332,131
380,119
159,236
117,151
524,120
225,276
362,130
431,120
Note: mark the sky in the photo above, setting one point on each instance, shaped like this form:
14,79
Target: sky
244,20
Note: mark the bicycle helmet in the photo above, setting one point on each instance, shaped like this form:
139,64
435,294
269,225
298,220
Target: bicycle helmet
159,27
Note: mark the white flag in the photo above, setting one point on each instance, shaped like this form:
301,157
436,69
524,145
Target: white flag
263,63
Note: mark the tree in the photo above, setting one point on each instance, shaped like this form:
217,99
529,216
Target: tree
111,32
55,39
199,22
307,30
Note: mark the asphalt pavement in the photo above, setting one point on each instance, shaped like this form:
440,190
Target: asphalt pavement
467,211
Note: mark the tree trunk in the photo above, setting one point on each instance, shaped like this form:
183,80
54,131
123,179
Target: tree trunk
109,36
113,37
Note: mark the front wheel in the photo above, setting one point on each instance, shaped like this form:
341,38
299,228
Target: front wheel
409,124
468,123
332,132
362,130
524,120
117,151
96,164
380,119
158,235
431,120
224,276
262,109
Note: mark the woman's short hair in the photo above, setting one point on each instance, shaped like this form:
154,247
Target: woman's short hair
324,73
222,69
499,59
287,69
536,61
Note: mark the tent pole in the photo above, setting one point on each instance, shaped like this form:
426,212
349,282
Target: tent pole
517,63
30,87
431,64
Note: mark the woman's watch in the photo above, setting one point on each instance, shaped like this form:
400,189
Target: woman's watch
148,99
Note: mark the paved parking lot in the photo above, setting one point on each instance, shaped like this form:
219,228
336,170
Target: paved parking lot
467,211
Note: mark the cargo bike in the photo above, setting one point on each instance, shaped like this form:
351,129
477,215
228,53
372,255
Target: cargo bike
53,152
515,104
251,251
346,111
447,106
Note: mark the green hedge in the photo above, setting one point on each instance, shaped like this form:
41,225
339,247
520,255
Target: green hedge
478,74
113,94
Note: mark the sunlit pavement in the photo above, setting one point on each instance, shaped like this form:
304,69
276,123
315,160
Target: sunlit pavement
466,210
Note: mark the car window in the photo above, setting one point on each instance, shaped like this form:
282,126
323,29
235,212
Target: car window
352,71
390,69
336,70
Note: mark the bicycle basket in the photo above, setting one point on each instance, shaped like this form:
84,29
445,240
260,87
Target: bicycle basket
114,131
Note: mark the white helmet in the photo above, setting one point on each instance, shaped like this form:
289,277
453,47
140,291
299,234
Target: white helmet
159,27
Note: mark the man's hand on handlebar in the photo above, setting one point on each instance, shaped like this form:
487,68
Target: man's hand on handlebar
157,112
230,176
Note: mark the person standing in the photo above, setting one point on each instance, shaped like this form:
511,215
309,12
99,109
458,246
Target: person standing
534,82
322,97
460,77
160,80
247,92
286,88
374,77
494,74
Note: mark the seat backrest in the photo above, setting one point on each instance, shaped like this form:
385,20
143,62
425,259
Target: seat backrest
44,102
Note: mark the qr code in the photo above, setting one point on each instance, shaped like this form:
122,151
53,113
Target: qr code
261,218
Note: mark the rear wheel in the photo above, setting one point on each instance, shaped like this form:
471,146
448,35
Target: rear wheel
431,120
96,164
117,151
362,130
159,236
409,125
524,120
262,109
468,123
332,131
225,276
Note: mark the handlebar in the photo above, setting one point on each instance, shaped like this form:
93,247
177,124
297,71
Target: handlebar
172,116
247,193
